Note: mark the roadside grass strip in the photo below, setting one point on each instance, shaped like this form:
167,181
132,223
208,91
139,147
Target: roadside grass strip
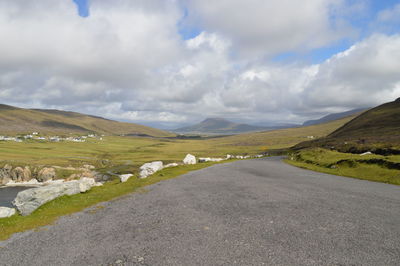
65,205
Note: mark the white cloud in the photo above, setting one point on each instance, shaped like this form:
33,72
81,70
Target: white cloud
127,60
259,27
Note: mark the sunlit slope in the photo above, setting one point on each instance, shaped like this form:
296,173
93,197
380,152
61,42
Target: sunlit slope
19,120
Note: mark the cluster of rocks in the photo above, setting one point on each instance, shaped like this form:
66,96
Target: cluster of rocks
149,169
12,176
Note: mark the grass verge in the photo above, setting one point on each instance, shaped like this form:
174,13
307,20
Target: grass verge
51,211
370,167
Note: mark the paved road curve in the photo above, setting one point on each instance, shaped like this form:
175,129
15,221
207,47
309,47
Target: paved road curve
257,212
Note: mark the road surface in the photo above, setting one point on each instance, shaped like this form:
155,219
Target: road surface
254,212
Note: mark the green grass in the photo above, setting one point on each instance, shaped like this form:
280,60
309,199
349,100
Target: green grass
48,213
369,167
123,155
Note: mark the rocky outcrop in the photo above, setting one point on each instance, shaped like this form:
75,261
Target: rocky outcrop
5,174
19,174
125,178
46,174
29,200
189,159
6,212
150,168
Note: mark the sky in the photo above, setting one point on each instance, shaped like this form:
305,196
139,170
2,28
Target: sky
169,63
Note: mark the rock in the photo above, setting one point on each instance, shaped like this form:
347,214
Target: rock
46,174
6,212
171,165
5,174
150,168
5,180
228,156
85,184
17,174
101,177
125,178
29,200
366,153
189,159
88,166
32,182
204,160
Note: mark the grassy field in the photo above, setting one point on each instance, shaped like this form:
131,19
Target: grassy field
128,153
124,155
373,167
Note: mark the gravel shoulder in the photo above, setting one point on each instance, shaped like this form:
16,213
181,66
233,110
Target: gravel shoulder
253,212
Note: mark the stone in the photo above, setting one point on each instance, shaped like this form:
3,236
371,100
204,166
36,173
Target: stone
46,174
86,183
5,174
88,166
17,174
205,160
29,200
150,168
366,153
6,212
171,165
125,178
189,159
32,182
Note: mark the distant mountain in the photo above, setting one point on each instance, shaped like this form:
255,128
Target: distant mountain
332,117
377,127
18,120
219,126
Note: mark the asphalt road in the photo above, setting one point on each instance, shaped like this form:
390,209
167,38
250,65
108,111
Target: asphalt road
256,212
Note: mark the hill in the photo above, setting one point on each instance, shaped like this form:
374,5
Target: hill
332,117
219,126
18,120
378,127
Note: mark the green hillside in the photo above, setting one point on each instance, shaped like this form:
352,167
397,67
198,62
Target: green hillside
15,120
377,128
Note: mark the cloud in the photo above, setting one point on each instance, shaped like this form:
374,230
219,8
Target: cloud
127,60
259,27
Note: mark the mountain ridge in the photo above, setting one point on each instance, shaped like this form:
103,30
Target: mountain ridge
217,125
333,116
52,121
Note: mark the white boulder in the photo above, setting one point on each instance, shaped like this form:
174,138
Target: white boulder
6,212
86,183
205,160
189,159
366,153
150,168
125,178
29,200
171,165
